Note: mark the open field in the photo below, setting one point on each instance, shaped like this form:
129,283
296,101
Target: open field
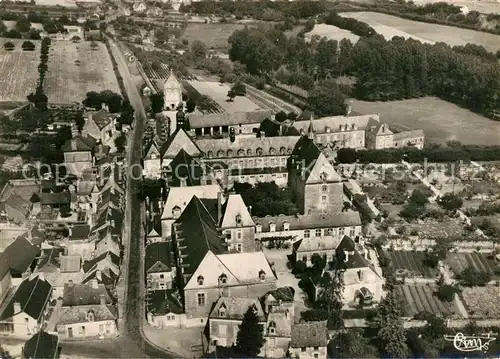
18,71
483,6
213,35
389,26
482,302
331,33
418,298
75,69
411,263
218,92
441,121
458,262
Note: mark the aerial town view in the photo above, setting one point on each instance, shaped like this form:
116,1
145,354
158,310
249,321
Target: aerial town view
303,179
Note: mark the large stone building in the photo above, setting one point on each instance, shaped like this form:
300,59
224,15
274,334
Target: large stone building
172,93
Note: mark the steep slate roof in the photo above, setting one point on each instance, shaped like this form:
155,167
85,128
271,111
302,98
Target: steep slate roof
159,257
312,221
354,260
50,259
89,264
79,143
32,294
305,152
161,302
41,345
248,146
83,294
235,308
333,123
312,334
101,118
177,141
408,135
183,166
79,231
198,233
59,198
19,255
284,294
235,206
78,314
181,196
70,264
322,167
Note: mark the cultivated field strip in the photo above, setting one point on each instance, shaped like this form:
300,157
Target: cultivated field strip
412,262
418,298
75,69
480,262
265,100
18,71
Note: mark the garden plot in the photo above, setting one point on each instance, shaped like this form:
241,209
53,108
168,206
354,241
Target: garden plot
75,69
214,36
482,302
18,71
331,33
218,92
389,26
480,262
434,229
411,263
418,298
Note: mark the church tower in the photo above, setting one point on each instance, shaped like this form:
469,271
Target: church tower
172,92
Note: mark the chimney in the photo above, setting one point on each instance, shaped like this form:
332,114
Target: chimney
17,307
383,128
361,275
219,207
104,106
102,299
262,134
183,182
95,285
346,253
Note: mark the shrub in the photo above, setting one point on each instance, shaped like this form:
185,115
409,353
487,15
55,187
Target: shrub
9,46
447,292
469,277
28,46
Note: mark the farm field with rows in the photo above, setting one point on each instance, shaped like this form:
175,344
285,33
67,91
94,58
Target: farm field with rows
204,104
18,71
411,263
267,101
418,298
389,26
75,69
158,76
480,262
214,36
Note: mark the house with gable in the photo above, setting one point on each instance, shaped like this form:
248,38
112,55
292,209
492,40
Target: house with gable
184,170
100,125
309,341
277,332
164,309
20,257
78,154
177,200
237,224
313,179
226,316
160,266
22,313
152,161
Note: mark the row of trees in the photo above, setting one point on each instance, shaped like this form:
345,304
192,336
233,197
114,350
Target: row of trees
385,70
257,10
38,98
355,26
435,154
26,46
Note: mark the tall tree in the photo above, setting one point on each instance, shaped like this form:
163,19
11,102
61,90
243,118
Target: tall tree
327,100
389,326
250,337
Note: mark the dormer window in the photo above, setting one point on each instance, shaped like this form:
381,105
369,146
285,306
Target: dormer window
238,220
262,275
272,151
241,153
222,311
323,176
258,228
223,278
282,150
271,328
286,226
210,154
272,227
90,316
260,152
229,153
200,280
249,152
220,153
153,156
176,212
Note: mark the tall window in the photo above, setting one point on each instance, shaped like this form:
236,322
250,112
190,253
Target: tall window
324,188
307,233
318,233
201,299
352,232
323,198
341,231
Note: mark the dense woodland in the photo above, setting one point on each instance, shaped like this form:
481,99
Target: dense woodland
384,70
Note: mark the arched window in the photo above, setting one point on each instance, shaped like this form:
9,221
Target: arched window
282,150
262,275
238,220
200,280
223,278
220,153
272,151
260,152
90,316
222,310
210,154
271,328
249,152
229,153
241,152
289,151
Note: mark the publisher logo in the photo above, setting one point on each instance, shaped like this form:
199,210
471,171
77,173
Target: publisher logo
470,343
